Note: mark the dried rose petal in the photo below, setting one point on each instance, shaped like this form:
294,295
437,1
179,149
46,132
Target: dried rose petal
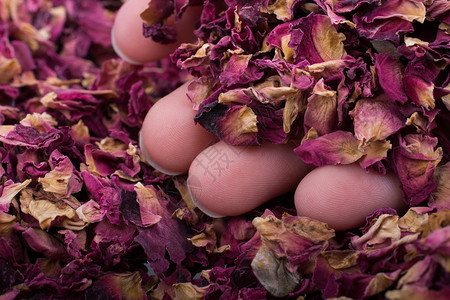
321,111
9,191
61,180
334,148
239,126
118,285
384,231
390,77
415,160
376,119
389,19
315,39
375,152
441,196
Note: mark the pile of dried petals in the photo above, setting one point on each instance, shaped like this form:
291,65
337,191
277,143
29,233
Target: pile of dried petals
82,216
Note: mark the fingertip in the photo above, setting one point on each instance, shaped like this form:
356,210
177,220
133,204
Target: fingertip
195,188
119,52
233,180
129,42
344,195
170,139
151,161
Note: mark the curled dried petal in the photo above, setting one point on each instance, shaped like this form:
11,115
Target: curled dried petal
339,147
376,119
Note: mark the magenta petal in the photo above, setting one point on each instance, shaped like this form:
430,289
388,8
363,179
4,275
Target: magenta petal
439,10
339,147
384,29
415,161
117,286
388,19
376,119
321,112
239,69
315,39
390,76
9,191
420,91
239,126
44,243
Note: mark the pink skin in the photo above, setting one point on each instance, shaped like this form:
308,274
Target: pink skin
344,195
248,176
132,46
341,196
179,138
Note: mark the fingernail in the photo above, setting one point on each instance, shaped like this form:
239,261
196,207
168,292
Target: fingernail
119,52
150,161
198,204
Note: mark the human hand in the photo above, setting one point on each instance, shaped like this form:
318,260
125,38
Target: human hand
229,180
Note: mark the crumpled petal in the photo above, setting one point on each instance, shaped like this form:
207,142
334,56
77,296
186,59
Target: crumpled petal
321,111
435,220
283,9
410,10
441,196
376,119
44,243
9,67
90,212
76,242
273,274
208,239
154,15
195,55
415,161
45,211
438,10
414,219
286,244
61,180
390,76
239,126
361,286
165,234
42,122
374,152
239,69
279,38
116,286
72,103
296,238
417,292
315,39
330,68
200,89
10,190
149,207
339,147
384,231
420,91
437,245
389,19
186,290
420,274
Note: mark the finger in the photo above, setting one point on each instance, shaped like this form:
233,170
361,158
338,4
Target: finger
344,195
231,180
133,47
170,139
